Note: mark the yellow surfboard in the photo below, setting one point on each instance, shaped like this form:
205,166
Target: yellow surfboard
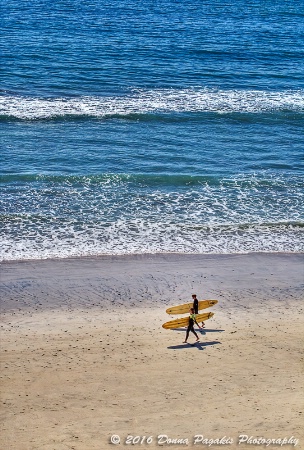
184,321
183,309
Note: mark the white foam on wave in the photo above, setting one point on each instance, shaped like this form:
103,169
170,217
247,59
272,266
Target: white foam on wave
142,237
118,215
153,101
236,200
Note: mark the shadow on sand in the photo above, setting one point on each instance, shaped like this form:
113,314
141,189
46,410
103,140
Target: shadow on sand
202,331
198,345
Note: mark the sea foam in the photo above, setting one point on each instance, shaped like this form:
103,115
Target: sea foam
159,101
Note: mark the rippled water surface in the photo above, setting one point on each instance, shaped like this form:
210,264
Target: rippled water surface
138,127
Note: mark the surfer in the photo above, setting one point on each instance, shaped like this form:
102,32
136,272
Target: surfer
192,320
195,307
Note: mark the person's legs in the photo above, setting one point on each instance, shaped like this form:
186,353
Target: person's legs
187,333
193,331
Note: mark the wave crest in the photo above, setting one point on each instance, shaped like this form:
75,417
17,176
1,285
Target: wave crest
162,101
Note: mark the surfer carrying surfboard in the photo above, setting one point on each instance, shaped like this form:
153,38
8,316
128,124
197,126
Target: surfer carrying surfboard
192,321
195,306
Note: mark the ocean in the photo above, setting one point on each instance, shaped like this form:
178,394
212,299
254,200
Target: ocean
140,126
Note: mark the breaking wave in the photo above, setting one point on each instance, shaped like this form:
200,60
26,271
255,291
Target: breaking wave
64,216
150,102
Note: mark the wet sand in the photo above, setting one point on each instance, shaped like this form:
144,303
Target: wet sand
84,355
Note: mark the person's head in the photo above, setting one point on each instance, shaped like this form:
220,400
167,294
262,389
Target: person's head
194,296
192,310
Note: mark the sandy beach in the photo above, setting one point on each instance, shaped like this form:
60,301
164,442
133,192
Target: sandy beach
84,356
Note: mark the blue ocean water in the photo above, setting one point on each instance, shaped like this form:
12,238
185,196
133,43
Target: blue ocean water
140,126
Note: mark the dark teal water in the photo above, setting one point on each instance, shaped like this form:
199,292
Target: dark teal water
151,126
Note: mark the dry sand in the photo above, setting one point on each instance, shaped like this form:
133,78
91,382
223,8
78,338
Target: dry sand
84,355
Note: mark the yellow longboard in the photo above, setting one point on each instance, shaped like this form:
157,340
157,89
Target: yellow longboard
184,321
183,309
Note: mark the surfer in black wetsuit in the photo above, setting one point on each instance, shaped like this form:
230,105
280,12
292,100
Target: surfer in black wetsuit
195,306
192,321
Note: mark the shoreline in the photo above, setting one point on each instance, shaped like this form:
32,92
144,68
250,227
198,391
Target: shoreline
152,280
164,278
147,255
85,357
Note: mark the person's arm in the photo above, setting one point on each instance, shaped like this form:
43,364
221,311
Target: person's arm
197,324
